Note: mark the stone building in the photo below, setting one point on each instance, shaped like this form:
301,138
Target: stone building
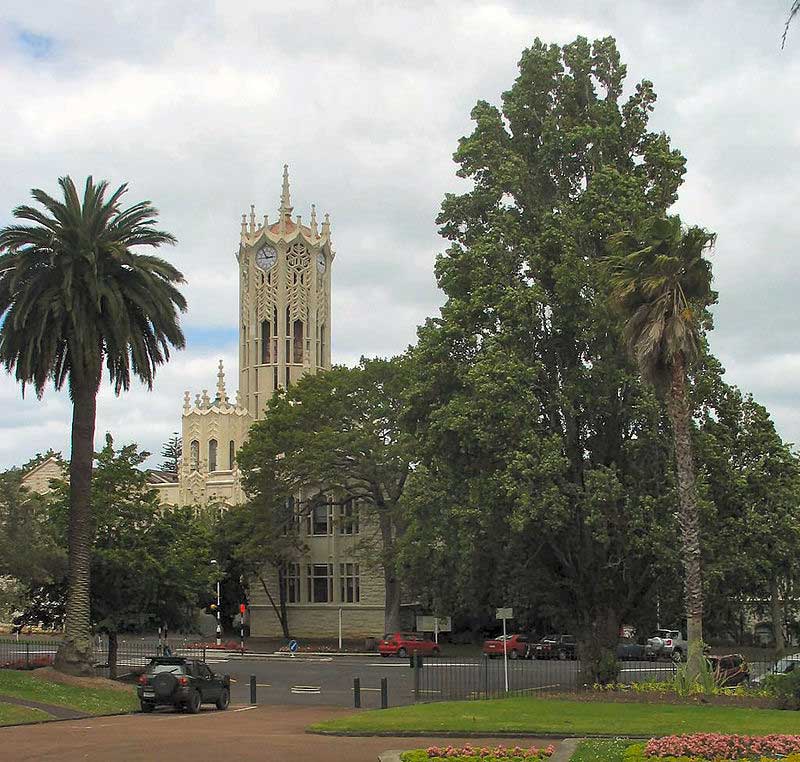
284,321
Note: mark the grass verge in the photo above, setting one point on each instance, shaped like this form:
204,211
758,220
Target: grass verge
91,700
14,715
600,750
536,716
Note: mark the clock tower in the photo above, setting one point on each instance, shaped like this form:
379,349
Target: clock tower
284,301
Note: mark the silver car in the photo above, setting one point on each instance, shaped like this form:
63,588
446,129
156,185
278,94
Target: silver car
783,666
669,644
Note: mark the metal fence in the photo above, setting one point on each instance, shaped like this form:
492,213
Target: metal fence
132,655
442,678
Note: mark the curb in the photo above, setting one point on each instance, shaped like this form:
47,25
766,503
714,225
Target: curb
541,734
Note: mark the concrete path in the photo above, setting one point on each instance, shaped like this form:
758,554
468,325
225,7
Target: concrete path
265,733
57,712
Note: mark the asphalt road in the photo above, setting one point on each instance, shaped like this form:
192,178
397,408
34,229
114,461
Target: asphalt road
328,680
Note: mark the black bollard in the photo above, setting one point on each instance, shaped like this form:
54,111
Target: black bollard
357,693
384,693
253,689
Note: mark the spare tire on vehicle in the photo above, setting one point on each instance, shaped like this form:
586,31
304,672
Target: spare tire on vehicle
164,684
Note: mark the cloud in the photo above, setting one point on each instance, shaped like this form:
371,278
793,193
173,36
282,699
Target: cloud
198,105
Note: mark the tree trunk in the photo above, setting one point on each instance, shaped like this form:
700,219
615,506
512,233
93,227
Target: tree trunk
776,611
112,655
688,514
391,607
75,654
598,650
280,611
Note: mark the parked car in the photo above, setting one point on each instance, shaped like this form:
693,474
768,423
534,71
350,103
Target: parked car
517,646
668,644
554,647
628,650
729,670
183,684
404,643
783,666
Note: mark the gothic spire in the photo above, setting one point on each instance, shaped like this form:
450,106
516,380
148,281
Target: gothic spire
222,397
286,202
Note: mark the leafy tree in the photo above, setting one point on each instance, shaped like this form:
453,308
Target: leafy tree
254,543
171,452
753,535
73,297
527,409
30,555
149,565
661,282
339,434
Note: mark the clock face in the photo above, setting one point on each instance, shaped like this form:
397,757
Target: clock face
266,256
321,262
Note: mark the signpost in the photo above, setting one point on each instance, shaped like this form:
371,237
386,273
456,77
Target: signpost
505,613
242,610
292,647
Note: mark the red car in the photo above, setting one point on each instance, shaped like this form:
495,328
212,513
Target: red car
404,643
516,646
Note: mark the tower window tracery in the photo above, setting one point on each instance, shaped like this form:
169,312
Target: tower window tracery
231,454
194,455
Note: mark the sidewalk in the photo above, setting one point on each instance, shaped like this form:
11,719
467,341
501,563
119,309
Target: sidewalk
263,734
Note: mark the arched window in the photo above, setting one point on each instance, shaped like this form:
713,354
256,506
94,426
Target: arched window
212,454
298,341
194,455
265,342
231,453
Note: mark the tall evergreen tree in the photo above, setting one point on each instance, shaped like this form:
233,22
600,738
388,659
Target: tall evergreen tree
171,452
528,409
74,297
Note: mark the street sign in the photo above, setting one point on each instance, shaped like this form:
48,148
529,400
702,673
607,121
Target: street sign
507,613
293,646
431,623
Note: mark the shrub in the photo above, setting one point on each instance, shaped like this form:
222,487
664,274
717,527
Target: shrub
785,688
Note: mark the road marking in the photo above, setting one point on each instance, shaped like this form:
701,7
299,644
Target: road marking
302,689
366,689
263,685
245,708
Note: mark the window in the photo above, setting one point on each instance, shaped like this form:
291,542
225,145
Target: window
293,583
265,342
322,345
319,519
349,586
212,454
288,376
231,454
320,583
194,455
348,517
298,341
275,377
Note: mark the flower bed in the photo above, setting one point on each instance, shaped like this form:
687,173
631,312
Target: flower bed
230,645
471,753
716,747
33,663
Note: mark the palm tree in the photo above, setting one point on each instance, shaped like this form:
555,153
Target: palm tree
662,284
73,297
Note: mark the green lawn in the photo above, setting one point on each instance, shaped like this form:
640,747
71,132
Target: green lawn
26,685
12,715
536,716
600,750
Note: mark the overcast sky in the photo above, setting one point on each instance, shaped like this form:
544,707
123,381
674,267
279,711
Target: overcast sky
198,105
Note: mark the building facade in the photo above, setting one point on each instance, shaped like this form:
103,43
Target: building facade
284,320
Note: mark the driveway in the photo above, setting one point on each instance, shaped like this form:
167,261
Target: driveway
264,733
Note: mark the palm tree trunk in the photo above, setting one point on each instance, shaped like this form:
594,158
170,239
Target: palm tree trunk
75,655
688,514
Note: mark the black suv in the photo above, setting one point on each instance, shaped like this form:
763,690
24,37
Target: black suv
554,647
182,683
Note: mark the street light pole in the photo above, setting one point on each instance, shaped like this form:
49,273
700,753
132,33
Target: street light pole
219,626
